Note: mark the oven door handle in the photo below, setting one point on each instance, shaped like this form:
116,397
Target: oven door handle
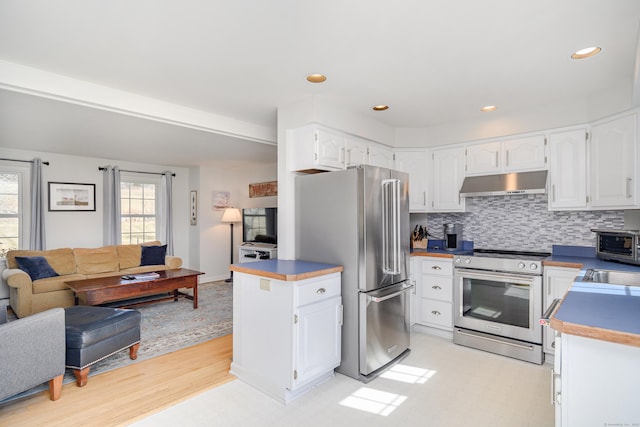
393,295
495,276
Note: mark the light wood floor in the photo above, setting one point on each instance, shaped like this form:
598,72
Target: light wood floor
124,395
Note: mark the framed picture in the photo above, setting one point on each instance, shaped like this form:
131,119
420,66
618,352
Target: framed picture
193,206
67,196
220,200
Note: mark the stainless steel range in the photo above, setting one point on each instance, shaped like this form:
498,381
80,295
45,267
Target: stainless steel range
498,301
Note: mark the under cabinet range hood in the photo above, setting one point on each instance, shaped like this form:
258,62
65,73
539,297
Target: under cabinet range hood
506,183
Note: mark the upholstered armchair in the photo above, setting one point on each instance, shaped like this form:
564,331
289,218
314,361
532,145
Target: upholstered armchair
32,352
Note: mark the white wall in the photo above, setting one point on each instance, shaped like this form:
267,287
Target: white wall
84,229
214,236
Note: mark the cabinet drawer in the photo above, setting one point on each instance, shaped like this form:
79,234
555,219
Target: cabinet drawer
444,268
318,290
437,313
437,287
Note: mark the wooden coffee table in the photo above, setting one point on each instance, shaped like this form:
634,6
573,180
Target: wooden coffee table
103,290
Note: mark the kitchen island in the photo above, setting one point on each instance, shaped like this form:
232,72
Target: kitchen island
596,376
287,322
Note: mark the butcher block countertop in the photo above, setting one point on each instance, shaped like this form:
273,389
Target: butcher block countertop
600,311
288,270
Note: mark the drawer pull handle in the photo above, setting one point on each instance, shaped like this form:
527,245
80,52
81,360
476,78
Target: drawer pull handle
435,312
436,287
321,291
436,267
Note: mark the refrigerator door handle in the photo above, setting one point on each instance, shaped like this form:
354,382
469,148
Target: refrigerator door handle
393,295
391,225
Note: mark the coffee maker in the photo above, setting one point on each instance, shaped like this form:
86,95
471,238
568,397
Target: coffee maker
452,236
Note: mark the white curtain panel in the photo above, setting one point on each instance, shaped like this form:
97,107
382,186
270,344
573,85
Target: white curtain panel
111,203
37,230
167,214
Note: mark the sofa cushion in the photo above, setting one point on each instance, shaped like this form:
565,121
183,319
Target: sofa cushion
153,255
61,260
36,267
129,256
98,260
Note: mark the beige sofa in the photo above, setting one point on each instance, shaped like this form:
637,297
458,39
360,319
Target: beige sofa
27,297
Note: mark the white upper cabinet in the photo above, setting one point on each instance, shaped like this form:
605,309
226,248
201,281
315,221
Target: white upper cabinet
513,155
483,159
613,163
356,152
447,174
379,155
568,170
415,164
317,147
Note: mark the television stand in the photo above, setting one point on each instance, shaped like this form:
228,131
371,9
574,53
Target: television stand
250,252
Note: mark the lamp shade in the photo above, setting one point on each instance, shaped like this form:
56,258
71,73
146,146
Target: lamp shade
231,215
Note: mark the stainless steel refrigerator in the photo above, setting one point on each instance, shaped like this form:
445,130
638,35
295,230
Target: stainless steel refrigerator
359,218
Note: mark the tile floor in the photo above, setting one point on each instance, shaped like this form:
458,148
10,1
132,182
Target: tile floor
438,384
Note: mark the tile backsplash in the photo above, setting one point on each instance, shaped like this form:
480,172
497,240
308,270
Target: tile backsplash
521,222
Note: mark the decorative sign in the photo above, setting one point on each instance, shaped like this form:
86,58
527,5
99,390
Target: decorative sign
193,206
263,189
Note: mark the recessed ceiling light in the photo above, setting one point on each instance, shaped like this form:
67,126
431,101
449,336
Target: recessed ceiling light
316,78
488,108
381,107
586,53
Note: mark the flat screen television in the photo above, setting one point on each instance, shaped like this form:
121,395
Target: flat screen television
260,225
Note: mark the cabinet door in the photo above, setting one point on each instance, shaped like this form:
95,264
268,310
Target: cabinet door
613,163
446,180
318,339
380,155
557,281
415,164
357,152
525,154
483,159
329,150
568,170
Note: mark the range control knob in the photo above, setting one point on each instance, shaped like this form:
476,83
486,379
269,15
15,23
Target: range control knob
533,266
467,261
457,260
521,265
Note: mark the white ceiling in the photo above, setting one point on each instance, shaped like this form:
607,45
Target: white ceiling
433,62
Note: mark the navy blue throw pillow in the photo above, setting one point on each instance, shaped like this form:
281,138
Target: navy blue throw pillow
36,267
153,255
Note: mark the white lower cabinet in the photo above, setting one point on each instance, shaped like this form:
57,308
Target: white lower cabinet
599,383
557,281
435,294
286,334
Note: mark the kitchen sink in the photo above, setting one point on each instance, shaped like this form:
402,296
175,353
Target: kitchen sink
612,277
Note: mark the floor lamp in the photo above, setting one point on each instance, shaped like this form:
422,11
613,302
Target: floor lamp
230,216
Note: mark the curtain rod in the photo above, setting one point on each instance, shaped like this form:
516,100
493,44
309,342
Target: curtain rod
151,173
24,161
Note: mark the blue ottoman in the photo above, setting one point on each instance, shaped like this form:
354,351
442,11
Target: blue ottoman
93,333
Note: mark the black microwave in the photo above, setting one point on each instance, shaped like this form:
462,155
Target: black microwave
618,245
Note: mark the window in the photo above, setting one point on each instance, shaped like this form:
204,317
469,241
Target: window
11,210
139,210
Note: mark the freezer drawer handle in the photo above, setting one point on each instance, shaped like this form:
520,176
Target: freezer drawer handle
393,295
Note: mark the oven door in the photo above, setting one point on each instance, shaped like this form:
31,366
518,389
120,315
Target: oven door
504,304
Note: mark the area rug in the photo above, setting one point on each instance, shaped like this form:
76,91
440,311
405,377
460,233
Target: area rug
170,326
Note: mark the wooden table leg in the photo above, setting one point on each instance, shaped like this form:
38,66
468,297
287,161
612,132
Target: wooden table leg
195,293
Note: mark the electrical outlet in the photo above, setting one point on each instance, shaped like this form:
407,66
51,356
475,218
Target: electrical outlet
265,285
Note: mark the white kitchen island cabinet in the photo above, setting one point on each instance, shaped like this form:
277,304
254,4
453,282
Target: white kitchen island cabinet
287,324
596,379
